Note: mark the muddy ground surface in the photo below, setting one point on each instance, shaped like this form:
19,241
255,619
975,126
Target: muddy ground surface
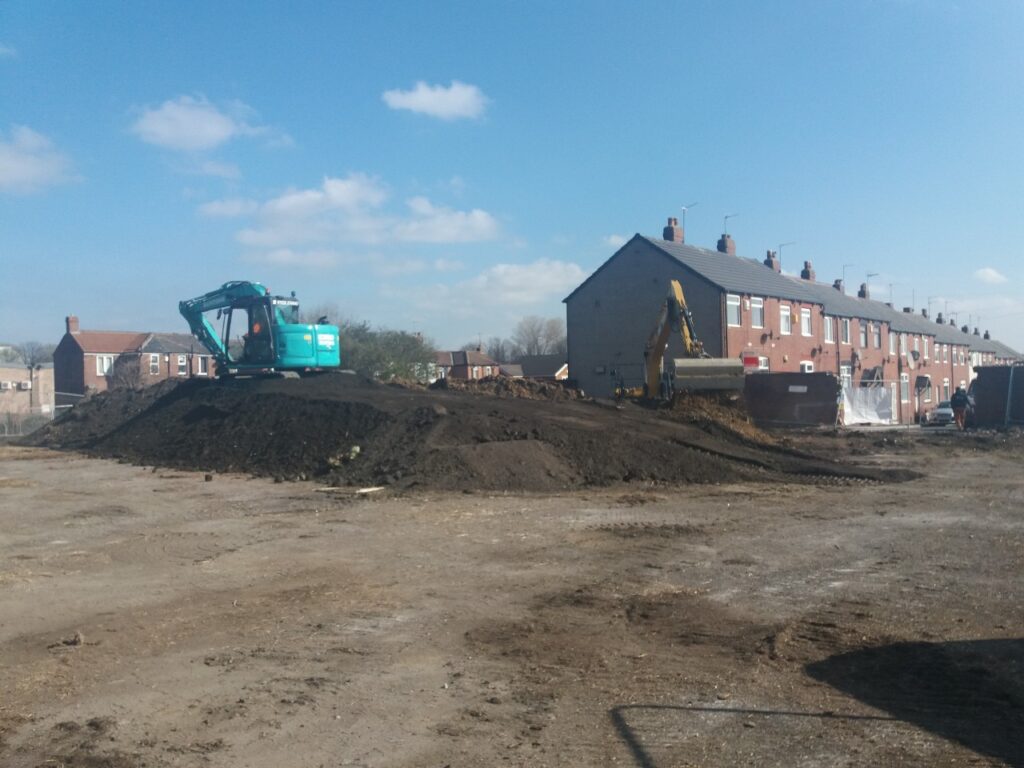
499,435
154,618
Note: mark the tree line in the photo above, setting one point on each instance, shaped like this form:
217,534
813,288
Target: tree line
533,335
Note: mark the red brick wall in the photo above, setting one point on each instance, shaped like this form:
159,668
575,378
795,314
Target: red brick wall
784,352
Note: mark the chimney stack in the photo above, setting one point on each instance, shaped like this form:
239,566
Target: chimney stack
939,319
976,332
965,329
71,323
673,232
986,336
771,260
807,273
952,322
863,292
924,312
908,310
839,286
726,245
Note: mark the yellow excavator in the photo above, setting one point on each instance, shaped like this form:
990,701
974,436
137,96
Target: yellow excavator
697,372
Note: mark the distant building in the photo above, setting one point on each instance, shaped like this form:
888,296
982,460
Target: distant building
24,394
88,361
471,364
545,367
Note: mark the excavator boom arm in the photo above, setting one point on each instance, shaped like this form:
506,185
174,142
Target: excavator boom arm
674,316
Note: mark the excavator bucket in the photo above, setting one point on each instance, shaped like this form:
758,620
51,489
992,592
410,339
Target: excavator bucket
707,374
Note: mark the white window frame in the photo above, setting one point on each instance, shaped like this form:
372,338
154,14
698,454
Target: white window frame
904,387
876,335
862,333
926,395
925,347
182,365
204,365
892,342
154,365
903,345
846,376
732,301
806,366
945,389
844,327
764,364
829,330
756,311
917,343
104,364
945,353
785,320
805,322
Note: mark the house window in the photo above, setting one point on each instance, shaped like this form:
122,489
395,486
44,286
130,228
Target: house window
785,320
892,342
487,371
182,365
154,365
846,376
764,364
204,365
945,389
103,364
757,312
917,343
945,353
476,371
863,327
953,353
903,345
829,332
926,393
904,387
925,347
876,335
845,328
805,322
732,309
806,366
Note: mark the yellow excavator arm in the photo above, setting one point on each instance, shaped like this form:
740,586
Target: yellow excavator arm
674,317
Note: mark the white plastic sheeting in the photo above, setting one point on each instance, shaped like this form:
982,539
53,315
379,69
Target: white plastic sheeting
867,405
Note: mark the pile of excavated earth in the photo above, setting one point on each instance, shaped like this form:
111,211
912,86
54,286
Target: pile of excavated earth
343,430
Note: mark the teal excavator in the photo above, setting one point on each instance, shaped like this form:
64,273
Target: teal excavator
269,338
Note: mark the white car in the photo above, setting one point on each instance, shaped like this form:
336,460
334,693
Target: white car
941,415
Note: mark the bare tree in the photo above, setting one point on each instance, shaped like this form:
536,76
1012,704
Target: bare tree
126,373
497,349
34,353
529,335
554,336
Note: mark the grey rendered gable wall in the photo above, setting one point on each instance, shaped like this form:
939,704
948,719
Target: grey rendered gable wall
610,316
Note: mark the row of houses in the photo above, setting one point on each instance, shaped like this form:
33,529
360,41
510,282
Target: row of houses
775,322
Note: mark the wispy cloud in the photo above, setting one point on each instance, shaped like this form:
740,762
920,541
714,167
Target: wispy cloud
615,241
524,284
29,162
990,276
194,124
8,52
350,210
456,101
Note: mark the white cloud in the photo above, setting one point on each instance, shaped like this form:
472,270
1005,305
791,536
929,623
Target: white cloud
194,124
29,162
7,52
447,265
523,284
458,100
218,169
229,208
351,210
990,276
615,241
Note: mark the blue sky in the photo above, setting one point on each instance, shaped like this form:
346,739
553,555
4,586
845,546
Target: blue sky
450,167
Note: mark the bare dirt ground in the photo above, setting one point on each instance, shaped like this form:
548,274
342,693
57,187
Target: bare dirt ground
154,618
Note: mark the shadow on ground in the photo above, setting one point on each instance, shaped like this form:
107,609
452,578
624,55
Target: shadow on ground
971,692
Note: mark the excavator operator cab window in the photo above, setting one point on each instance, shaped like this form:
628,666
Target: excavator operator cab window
286,312
257,342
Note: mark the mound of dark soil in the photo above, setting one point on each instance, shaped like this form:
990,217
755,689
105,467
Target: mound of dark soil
345,430
505,386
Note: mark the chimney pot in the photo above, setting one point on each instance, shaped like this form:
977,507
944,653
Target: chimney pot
839,286
71,323
952,322
939,319
807,273
726,245
863,292
986,335
673,232
965,329
924,312
976,332
771,260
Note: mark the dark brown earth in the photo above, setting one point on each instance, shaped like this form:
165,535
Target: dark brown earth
511,436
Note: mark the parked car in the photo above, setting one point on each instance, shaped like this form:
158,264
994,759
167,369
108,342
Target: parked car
939,416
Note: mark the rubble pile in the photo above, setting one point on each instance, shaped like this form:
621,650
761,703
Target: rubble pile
343,430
